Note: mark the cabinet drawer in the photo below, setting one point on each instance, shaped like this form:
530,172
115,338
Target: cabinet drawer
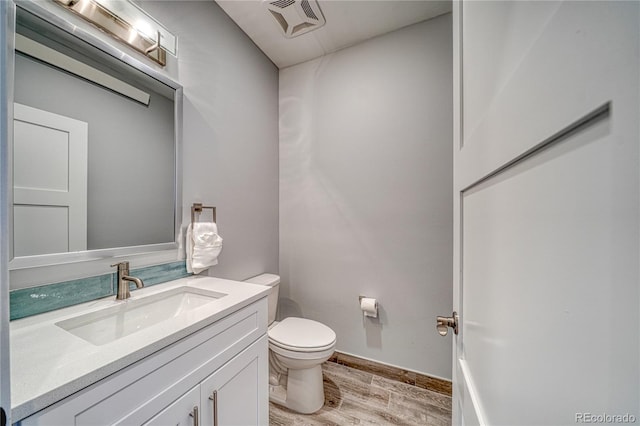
138,392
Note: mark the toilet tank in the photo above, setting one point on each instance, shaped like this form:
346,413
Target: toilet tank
273,281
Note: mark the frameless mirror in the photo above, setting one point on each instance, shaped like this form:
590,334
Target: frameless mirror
95,149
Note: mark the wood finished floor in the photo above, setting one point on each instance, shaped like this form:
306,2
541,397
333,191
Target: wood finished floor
354,397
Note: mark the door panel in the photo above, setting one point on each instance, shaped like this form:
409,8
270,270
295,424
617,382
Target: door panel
556,63
40,229
547,183
549,249
41,156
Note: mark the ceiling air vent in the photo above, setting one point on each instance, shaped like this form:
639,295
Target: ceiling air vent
295,17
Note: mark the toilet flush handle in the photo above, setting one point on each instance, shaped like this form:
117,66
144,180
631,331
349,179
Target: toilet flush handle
443,324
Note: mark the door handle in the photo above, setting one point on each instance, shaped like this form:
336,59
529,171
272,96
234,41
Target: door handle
443,324
194,414
214,399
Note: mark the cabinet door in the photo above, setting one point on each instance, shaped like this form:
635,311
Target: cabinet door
183,412
238,392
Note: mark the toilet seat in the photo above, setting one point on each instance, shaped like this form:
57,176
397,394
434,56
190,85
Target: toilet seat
302,335
296,349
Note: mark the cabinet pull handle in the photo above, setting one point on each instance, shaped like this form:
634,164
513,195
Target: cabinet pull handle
194,414
214,398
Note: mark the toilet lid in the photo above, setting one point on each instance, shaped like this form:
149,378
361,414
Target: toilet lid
301,333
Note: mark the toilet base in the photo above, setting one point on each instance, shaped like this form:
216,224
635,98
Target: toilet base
278,394
300,390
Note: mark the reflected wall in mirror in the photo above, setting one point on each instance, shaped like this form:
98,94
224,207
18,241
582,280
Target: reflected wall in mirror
95,148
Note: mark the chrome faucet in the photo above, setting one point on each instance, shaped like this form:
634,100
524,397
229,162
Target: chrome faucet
124,279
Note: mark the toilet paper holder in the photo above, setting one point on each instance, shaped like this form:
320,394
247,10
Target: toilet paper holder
370,311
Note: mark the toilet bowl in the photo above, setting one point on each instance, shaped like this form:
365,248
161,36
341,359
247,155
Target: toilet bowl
297,348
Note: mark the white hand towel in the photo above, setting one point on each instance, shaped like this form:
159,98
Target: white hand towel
203,246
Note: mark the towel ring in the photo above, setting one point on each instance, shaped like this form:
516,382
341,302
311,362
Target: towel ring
197,208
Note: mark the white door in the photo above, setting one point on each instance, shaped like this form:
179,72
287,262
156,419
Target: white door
546,182
49,182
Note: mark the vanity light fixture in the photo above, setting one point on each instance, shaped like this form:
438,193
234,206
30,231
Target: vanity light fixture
128,23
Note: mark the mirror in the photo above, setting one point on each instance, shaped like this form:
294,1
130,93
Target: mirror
96,147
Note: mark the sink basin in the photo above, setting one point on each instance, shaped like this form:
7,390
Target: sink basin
128,317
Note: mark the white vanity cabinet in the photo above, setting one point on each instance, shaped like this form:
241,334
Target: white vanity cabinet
230,396
228,358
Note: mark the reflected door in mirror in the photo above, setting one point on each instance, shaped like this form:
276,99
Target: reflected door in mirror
50,182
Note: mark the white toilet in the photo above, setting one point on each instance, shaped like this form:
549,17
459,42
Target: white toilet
297,348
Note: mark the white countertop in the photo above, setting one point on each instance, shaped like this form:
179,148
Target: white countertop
49,363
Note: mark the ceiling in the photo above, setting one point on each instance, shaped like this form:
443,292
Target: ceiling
347,22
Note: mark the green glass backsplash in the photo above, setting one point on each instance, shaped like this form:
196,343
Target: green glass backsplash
36,300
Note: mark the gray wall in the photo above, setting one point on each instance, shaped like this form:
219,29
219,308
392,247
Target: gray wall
365,194
230,153
131,154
